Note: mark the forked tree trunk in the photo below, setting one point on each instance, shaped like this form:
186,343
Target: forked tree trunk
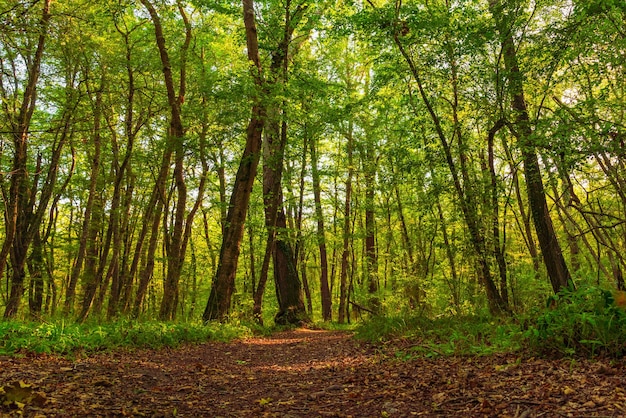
218,305
22,218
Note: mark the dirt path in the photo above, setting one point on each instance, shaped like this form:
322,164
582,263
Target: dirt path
307,373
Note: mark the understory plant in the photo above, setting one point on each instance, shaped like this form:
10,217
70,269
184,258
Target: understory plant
66,338
590,321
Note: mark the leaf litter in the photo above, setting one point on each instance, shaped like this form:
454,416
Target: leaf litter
307,373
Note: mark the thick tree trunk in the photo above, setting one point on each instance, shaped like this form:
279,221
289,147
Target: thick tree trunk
218,305
287,283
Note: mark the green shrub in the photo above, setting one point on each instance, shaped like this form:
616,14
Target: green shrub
584,322
443,336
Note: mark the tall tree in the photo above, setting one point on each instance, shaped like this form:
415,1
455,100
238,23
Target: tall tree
22,216
175,243
287,283
456,157
218,305
521,127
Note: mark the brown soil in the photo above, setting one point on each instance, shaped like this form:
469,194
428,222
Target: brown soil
306,373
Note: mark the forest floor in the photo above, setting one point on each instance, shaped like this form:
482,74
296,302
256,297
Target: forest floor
307,373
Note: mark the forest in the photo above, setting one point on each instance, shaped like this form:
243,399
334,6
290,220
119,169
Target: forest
379,208
294,161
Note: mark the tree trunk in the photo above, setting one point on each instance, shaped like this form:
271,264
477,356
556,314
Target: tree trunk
21,221
145,275
218,305
300,252
551,250
288,286
371,256
320,233
467,200
89,232
175,244
36,269
342,315
525,227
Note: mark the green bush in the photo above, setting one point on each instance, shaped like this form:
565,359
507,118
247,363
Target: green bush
62,338
584,322
443,336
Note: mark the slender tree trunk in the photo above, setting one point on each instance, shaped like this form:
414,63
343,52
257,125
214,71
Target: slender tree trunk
454,283
20,222
551,250
320,233
300,251
92,278
342,315
525,227
371,254
499,243
175,144
36,269
466,198
88,235
145,275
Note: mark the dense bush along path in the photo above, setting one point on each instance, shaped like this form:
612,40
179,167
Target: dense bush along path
304,373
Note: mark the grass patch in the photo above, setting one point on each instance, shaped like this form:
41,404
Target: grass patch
63,338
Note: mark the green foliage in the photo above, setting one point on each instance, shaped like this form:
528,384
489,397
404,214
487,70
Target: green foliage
585,322
66,338
452,335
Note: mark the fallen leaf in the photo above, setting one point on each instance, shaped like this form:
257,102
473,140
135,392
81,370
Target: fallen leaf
264,401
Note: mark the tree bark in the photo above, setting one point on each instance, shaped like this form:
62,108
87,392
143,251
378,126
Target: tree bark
342,315
22,219
218,305
320,234
551,250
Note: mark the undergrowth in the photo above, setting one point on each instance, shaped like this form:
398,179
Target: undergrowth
588,322
60,337
442,336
